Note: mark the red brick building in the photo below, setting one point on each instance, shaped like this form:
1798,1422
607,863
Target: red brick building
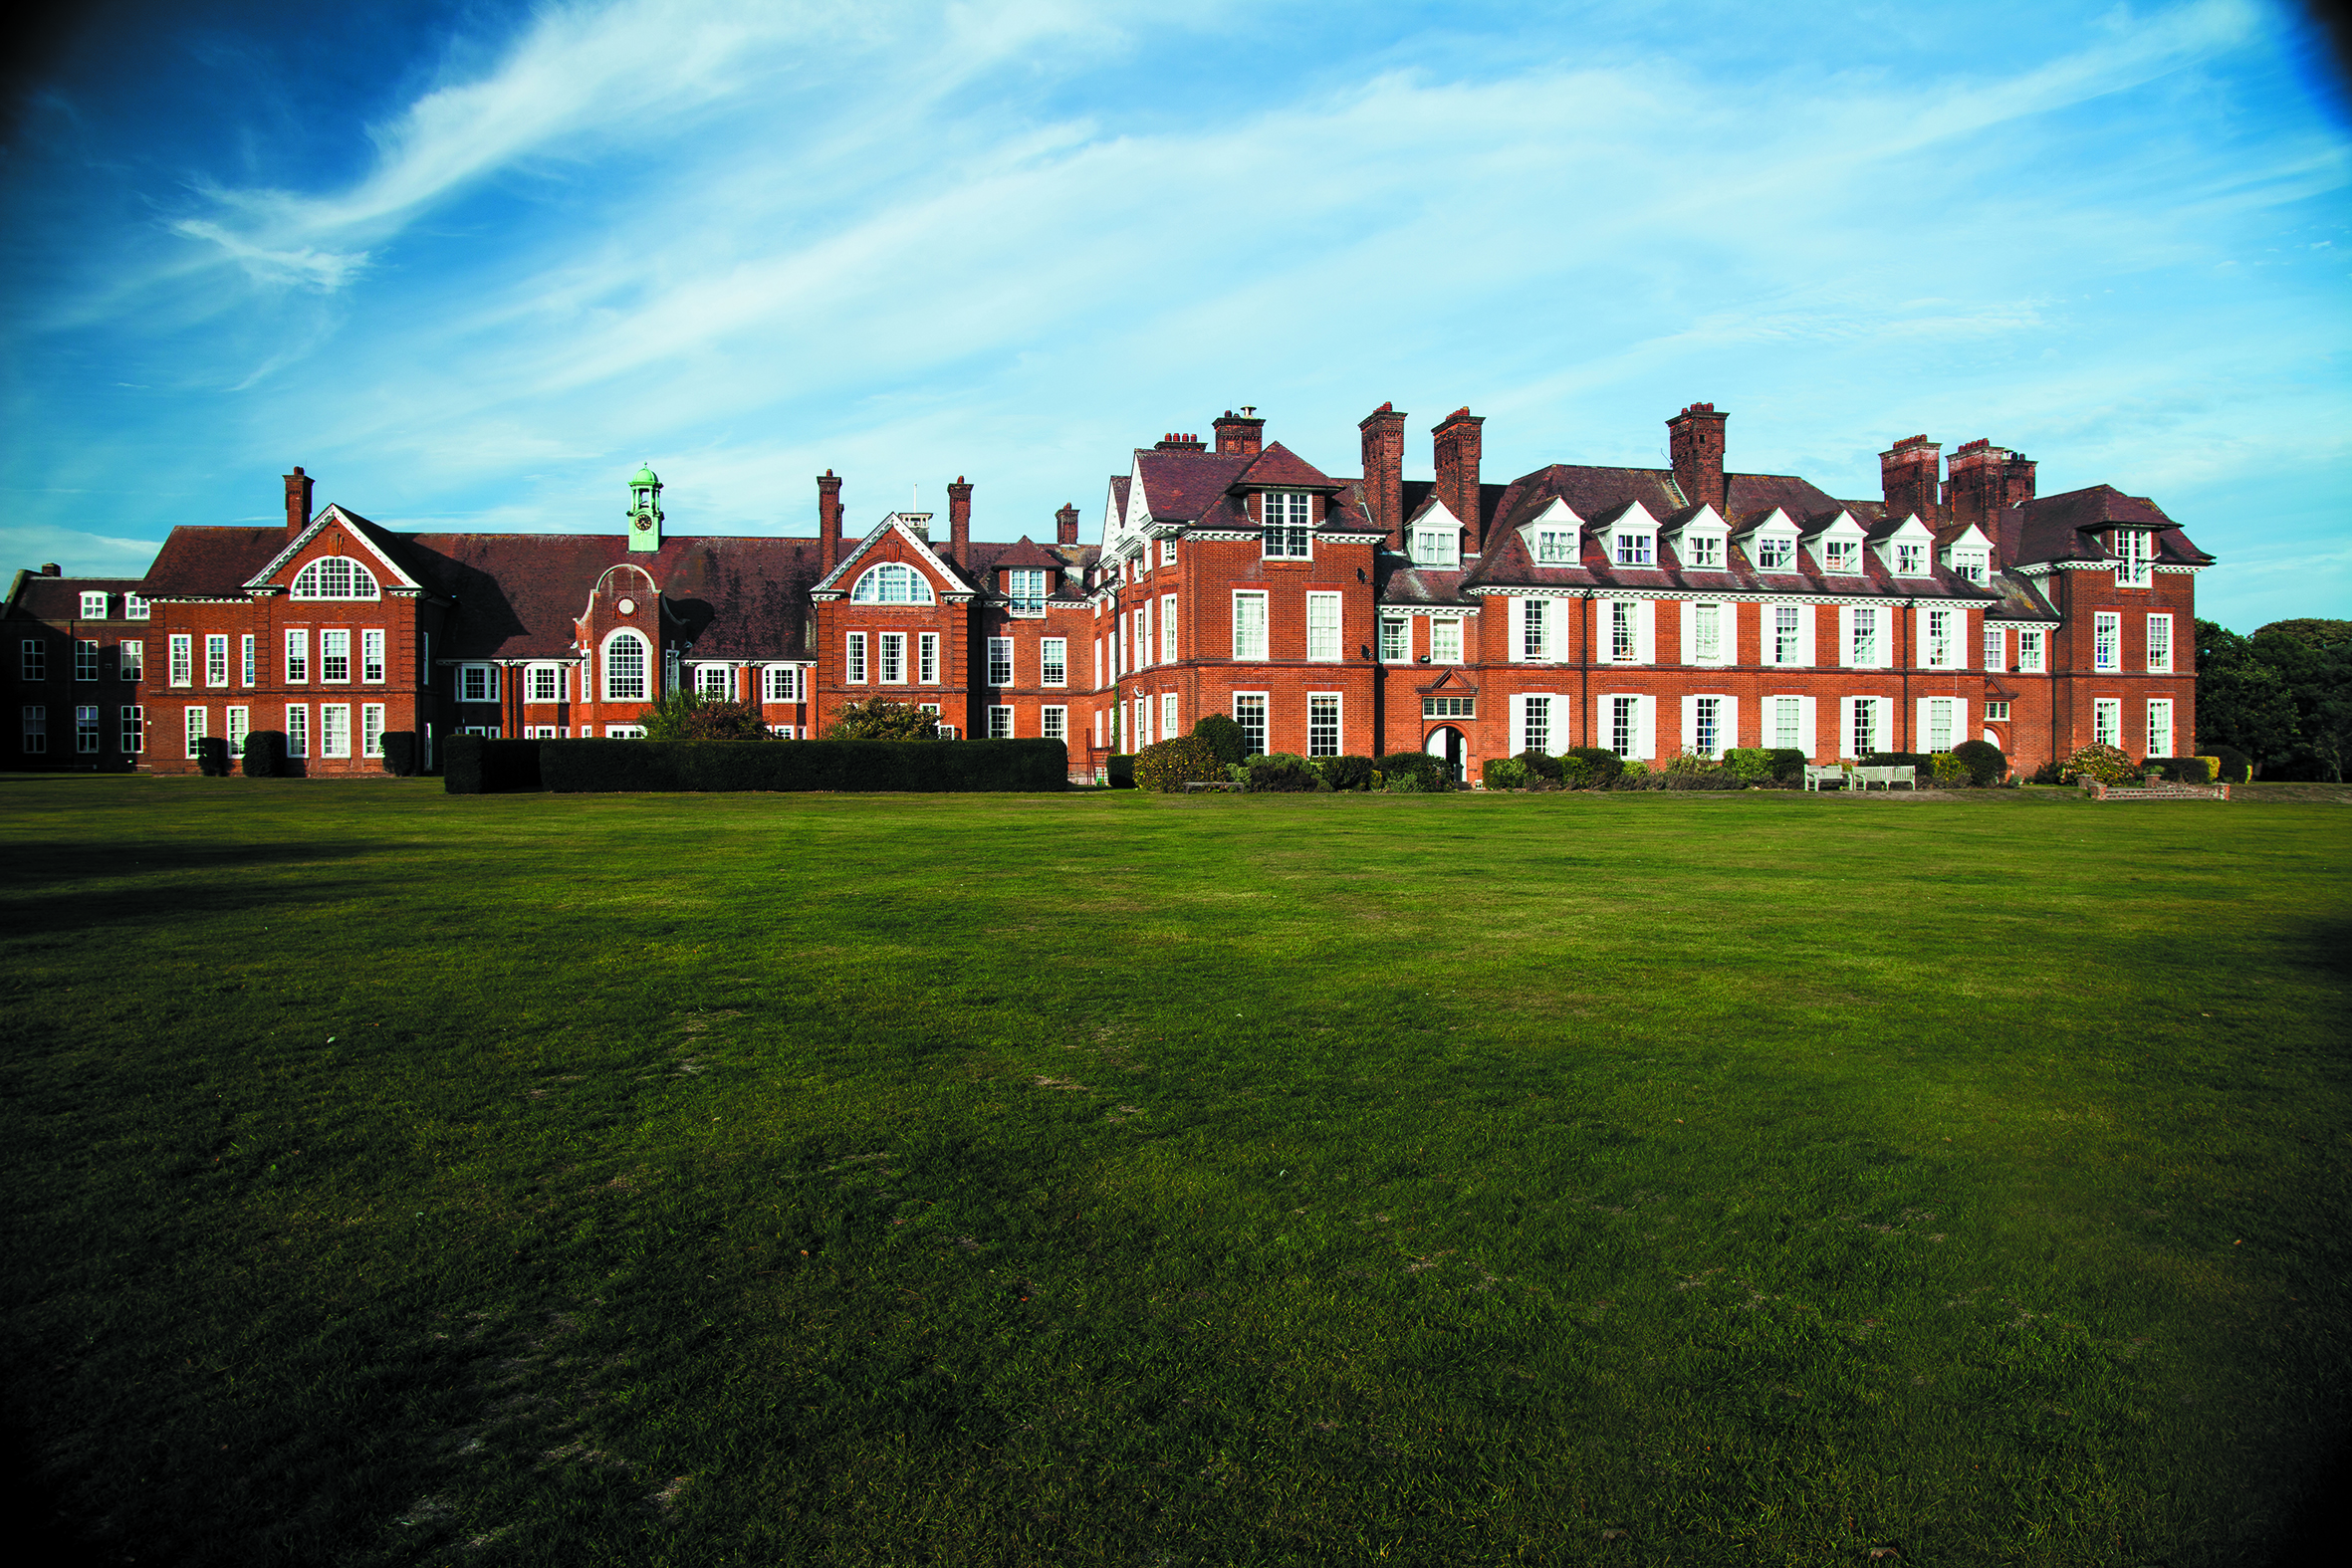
1653,611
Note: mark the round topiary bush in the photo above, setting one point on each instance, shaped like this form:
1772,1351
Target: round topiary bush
1225,738
1986,765
2236,766
1429,772
1347,772
2099,761
1605,765
1168,766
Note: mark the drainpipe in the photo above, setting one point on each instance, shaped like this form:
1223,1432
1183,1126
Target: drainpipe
1584,668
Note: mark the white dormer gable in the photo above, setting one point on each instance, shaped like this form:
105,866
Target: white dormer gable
1702,541
1435,537
387,570
1970,555
1907,551
1554,538
944,581
1837,547
1630,539
1772,544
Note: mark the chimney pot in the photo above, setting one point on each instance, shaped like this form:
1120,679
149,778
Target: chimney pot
1697,444
1456,439
1242,434
1907,477
298,501
959,521
49,570
1383,432
828,522
1065,525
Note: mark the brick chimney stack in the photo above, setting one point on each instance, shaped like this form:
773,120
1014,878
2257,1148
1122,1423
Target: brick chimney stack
1242,434
1384,469
1984,483
1065,525
1173,442
298,501
1457,438
1908,472
959,523
1697,443
828,522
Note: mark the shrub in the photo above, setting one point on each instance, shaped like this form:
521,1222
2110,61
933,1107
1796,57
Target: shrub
212,757
610,766
265,754
1634,775
1505,773
1788,764
1924,762
1168,766
1749,763
1282,773
1405,784
880,719
2233,765
478,765
2047,773
1685,763
2105,763
1118,770
2180,769
1225,738
1985,765
399,753
1575,773
1429,772
690,716
1541,765
1606,763
1952,773
1348,773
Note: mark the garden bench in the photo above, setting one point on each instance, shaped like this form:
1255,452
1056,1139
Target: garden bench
1816,777
1886,778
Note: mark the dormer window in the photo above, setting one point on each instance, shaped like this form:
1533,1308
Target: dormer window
1775,553
1842,557
1290,515
2133,547
1635,550
1910,561
1026,587
134,608
1555,547
1437,546
891,584
1969,565
93,607
1702,551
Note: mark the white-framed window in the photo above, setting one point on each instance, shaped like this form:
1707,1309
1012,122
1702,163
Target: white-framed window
2160,727
1143,631
216,660
544,683
86,658
1118,647
136,608
1167,552
1322,627
999,661
1445,640
2160,648
1789,635
531,732
35,733
335,728
193,719
893,659
1289,517
1450,708
1941,722
1535,642
183,660
625,732
2108,721
2106,641
1248,625
1706,726
479,681
714,681
1167,629
1842,557
1168,709
1099,671
1000,723
1863,637
1395,639
249,656
784,683
86,730
1555,547
1995,710
1140,717
1026,587
1707,640
94,606
1791,728
372,657
1624,726
927,658
371,730
854,673
298,656
1624,631
335,656
1054,723
1323,724
1249,711
1775,553
1868,722
1635,549
1937,642
892,582
1052,661
628,667
134,718
2030,645
1997,648
1535,725
1910,561
2135,549
298,729
334,578
1702,551
1971,564
238,724
131,656
1099,727
1437,546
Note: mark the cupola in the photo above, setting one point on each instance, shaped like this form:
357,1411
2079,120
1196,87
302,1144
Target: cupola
645,513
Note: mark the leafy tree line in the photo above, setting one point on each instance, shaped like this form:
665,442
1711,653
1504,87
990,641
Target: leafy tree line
2282,696
690,716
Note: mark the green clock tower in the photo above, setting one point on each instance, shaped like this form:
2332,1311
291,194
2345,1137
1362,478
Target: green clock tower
645,508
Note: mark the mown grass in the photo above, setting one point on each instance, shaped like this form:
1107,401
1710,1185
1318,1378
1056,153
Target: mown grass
395,1178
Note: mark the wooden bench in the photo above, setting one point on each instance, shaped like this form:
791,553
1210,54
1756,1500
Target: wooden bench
1816,777
1886,778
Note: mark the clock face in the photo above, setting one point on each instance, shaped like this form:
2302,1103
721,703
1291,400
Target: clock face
645,523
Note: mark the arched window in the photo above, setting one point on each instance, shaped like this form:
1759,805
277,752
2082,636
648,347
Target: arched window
624,667
334,578
891,584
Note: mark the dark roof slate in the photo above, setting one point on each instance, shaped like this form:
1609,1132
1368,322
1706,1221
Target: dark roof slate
2065,527
60,598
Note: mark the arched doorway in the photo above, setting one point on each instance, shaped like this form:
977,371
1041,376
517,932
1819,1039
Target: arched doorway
1991,739
1445,741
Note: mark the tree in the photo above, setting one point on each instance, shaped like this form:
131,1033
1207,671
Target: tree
690,716
883,719
2241,699
2313,659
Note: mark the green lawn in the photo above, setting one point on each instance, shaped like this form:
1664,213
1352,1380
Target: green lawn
398,1177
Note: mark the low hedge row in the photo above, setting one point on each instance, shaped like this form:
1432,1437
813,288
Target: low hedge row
942,766
479,764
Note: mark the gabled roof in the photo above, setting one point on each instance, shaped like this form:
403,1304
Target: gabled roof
1180,485
1279,465
2065,527
1024,552
387,548
837,580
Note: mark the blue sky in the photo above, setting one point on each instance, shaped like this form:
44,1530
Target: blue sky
470,263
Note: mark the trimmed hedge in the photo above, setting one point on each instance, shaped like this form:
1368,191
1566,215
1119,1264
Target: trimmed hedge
1168,766
265,754
2236,766
1279,773
1986,765
1606,764
1119,773
1225,738
399,753
1347,772
1504,773
715,766
2183,770
212,757
1428,773
479,764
